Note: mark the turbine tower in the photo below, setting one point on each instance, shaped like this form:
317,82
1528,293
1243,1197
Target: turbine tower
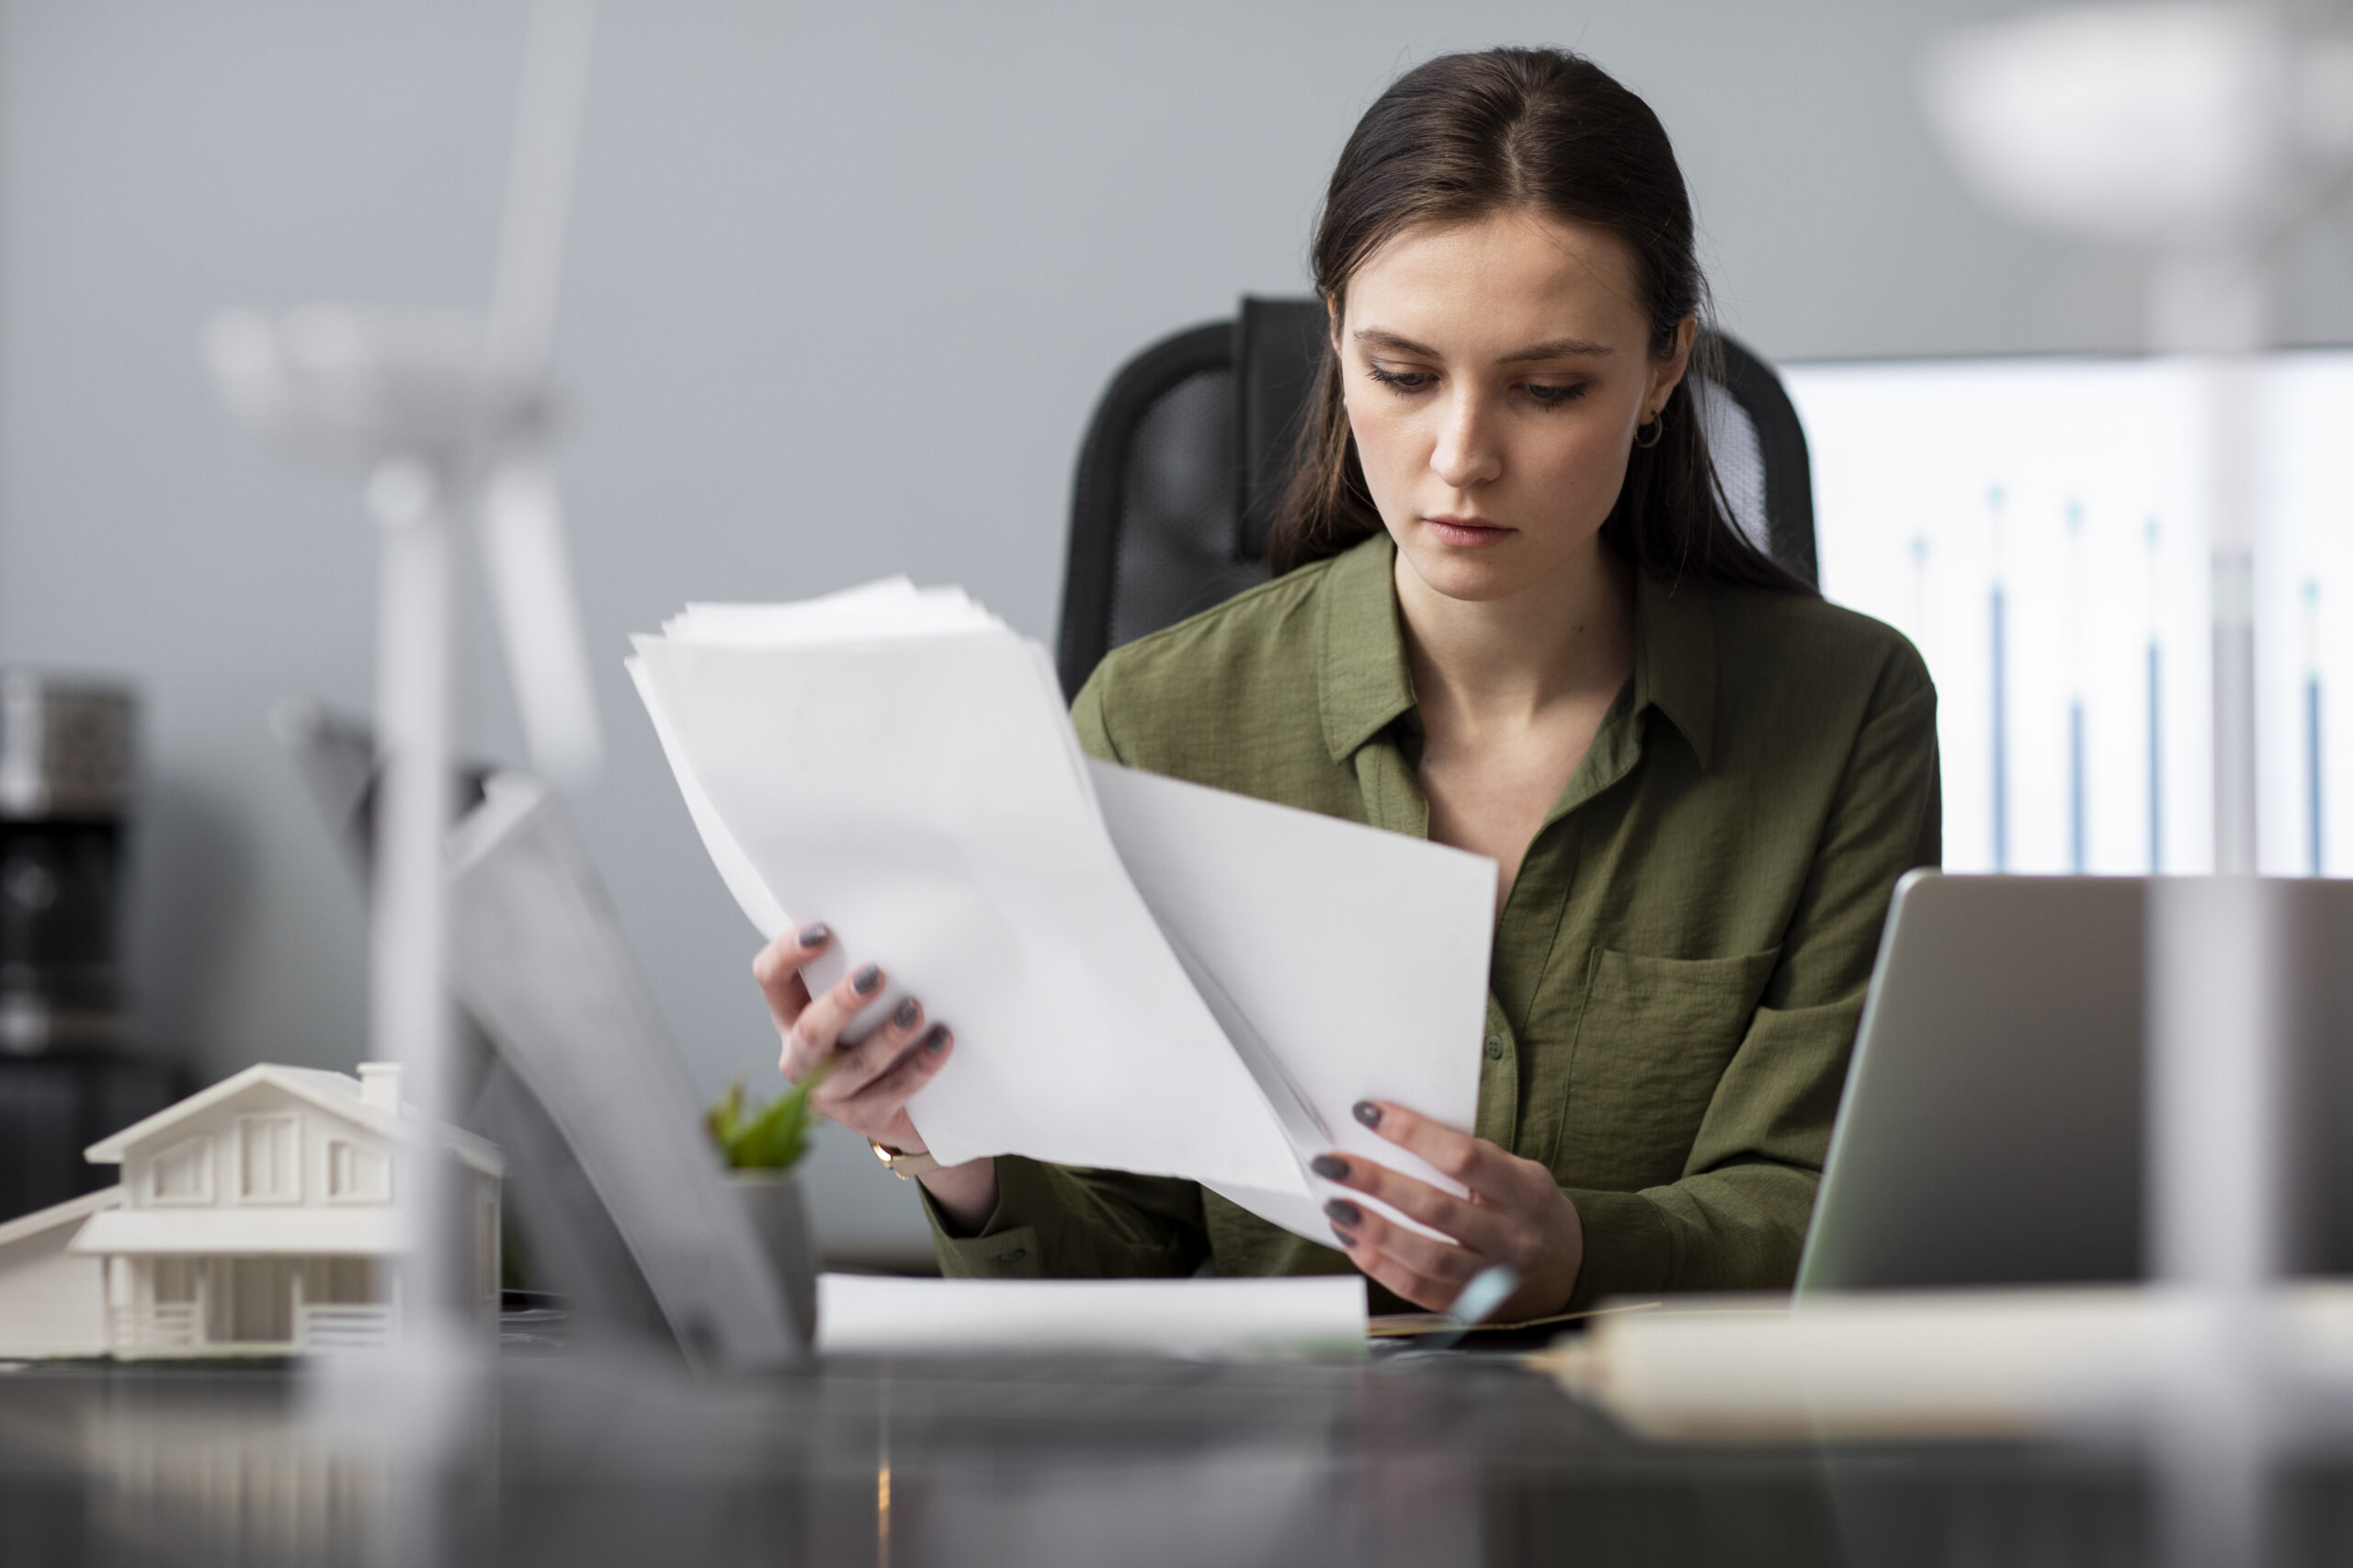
445,421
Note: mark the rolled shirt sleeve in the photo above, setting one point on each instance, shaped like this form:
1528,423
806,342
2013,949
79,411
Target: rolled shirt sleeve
1054,1221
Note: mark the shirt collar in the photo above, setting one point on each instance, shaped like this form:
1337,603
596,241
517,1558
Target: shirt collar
1366,685
1674,657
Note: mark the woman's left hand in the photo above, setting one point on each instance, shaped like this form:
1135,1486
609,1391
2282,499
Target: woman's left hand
1516,1215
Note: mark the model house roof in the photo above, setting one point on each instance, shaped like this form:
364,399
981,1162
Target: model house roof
72,1211
332,1093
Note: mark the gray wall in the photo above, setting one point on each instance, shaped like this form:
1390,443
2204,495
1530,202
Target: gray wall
847,282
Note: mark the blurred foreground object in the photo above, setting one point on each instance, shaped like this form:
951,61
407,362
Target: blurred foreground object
444,420
2198,135
1933,1366
2174,128
253,1219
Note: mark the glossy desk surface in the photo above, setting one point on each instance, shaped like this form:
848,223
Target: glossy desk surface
1431,1461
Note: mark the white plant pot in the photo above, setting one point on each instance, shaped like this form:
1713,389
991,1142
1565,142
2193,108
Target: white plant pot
779,1215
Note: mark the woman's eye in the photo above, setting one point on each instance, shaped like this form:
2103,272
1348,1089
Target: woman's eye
1404,380
1548,393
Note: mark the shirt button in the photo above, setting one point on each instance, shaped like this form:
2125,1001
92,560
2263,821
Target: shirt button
1494,1047
1016,1256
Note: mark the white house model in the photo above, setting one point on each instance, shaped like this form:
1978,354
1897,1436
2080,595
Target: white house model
255,1217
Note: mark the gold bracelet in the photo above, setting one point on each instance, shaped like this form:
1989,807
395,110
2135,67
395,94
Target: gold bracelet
901,1164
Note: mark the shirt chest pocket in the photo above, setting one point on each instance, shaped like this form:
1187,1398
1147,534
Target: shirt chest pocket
1653,1042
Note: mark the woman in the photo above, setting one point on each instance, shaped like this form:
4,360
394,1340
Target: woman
1512,615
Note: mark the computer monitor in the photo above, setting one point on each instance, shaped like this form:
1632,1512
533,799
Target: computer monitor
2038,526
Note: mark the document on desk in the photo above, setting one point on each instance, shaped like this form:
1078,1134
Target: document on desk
1197,1319
1142,974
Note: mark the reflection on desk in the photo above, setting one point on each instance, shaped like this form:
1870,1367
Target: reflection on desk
565,1459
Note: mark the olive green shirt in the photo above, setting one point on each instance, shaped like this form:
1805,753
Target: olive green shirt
1679,969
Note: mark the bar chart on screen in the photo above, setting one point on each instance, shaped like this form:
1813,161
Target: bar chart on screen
2038,526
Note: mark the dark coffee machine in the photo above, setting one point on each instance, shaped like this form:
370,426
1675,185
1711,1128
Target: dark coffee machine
64,792
68,1074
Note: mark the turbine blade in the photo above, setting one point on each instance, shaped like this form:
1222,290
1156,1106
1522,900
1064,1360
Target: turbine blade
532,592
539,187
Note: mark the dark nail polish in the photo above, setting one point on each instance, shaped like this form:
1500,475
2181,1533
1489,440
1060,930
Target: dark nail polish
1345,1239
936,1040
1340,1211
1368,1113
814,935
865,979
906,1012
1331,1167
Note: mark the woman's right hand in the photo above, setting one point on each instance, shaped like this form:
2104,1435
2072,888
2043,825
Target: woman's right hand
869,1083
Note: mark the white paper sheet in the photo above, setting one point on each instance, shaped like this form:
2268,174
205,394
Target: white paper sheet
892,607
1201,1319
1358,957
735,870
1144,974
934,811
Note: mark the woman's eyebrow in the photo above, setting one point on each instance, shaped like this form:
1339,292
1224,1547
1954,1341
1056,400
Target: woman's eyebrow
1554,348
1374,337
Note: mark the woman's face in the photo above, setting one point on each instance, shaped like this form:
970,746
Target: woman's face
1495,373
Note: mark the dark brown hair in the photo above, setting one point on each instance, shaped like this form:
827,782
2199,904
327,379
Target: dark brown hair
1467,135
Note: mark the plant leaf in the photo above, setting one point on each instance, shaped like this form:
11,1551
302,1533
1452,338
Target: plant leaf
777,1138
725,1120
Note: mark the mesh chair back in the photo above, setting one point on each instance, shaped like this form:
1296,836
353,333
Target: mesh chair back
1185,455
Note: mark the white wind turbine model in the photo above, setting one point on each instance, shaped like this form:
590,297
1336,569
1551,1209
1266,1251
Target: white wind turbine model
445,419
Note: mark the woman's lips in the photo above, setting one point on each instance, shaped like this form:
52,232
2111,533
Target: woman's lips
1467,533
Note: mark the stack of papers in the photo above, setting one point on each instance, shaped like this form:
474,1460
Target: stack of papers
1142,974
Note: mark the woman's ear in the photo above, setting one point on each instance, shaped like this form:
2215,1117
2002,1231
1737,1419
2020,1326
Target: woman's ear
1666,372
1332,312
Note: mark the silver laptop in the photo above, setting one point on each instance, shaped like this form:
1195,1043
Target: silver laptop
621,1202
1991,1130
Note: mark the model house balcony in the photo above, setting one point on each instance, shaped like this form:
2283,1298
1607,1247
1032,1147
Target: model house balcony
341,1326
165,1328
176,1328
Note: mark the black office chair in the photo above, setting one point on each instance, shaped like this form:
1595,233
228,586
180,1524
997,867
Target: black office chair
1185,455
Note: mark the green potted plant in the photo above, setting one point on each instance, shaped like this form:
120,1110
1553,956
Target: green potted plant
760,1148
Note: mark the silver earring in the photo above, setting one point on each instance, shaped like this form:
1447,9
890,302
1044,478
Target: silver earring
1657,429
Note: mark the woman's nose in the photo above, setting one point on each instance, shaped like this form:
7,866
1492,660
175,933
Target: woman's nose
1466,454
